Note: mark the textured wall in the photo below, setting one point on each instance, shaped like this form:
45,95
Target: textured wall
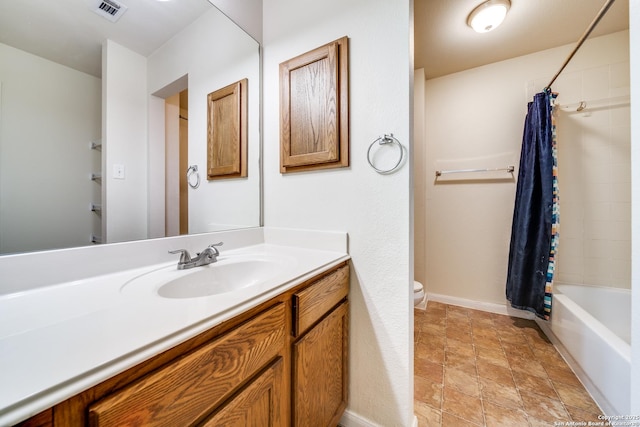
374,209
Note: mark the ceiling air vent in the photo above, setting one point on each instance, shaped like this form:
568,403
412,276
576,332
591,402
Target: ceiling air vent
109,9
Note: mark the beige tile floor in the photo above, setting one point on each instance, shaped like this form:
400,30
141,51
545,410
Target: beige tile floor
474,368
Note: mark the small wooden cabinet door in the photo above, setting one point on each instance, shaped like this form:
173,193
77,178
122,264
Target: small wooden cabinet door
227,132
320,371
314,109
258,404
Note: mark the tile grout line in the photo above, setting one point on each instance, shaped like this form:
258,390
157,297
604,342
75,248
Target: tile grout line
475,358
524,409
484,419
531,347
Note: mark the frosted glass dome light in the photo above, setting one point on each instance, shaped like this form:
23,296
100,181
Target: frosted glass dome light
488,15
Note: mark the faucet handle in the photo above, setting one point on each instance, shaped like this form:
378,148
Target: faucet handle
185,257
213,247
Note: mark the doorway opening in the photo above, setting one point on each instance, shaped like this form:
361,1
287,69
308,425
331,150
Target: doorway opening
176,163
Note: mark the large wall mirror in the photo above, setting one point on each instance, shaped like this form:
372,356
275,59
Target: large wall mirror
103,121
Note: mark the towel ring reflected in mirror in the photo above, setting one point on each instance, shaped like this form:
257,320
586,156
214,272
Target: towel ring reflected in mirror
193,171
384,140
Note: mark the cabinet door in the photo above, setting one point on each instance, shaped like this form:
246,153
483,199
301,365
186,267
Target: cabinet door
186,390
314,109
320,371
258,404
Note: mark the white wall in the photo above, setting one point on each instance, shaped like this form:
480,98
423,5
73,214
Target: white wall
374,209
634,37
213,52
49,114
247,14
468,216
124,110
594,169
420,179
172,165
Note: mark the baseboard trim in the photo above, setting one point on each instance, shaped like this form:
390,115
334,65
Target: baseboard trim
479,305
350,419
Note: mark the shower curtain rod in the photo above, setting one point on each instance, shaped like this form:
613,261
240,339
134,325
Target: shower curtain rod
588,31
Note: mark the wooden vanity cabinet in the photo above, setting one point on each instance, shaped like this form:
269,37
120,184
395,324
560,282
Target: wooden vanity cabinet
43,419
281,363
187,390
320,350
257,404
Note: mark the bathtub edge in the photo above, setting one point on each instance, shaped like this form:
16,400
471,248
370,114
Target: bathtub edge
603,403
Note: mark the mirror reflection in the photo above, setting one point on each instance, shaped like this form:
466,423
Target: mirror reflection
102,118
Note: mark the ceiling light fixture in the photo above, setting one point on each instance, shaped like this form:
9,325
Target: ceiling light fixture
488,15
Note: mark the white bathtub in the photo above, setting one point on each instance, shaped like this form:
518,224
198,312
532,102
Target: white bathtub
594,325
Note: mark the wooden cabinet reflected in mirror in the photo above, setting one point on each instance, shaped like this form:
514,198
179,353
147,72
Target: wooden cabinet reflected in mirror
227,132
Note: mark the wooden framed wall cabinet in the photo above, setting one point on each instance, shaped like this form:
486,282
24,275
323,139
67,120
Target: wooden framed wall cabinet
227,132
314,109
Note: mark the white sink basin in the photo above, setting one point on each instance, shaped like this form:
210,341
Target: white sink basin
217,278
229,274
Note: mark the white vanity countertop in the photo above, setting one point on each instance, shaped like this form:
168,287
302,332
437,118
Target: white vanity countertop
59,340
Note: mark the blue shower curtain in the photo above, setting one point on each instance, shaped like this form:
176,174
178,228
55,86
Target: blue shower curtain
534,227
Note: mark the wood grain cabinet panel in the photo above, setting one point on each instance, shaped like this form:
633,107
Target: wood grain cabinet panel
314,301
43,419
188,389
314,109
256,405
320,371
227,132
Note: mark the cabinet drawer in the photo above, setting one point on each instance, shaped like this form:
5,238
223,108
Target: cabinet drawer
314,301
187,389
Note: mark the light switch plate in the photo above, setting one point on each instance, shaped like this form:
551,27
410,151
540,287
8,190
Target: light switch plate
118,171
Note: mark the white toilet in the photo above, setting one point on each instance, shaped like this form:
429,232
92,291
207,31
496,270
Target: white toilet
419,300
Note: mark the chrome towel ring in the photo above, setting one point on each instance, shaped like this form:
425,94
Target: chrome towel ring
193,170
384,140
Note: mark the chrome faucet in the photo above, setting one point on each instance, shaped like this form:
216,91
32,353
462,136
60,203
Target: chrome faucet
208,256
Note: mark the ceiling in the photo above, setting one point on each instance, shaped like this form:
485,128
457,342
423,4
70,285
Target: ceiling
444,44
70,33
